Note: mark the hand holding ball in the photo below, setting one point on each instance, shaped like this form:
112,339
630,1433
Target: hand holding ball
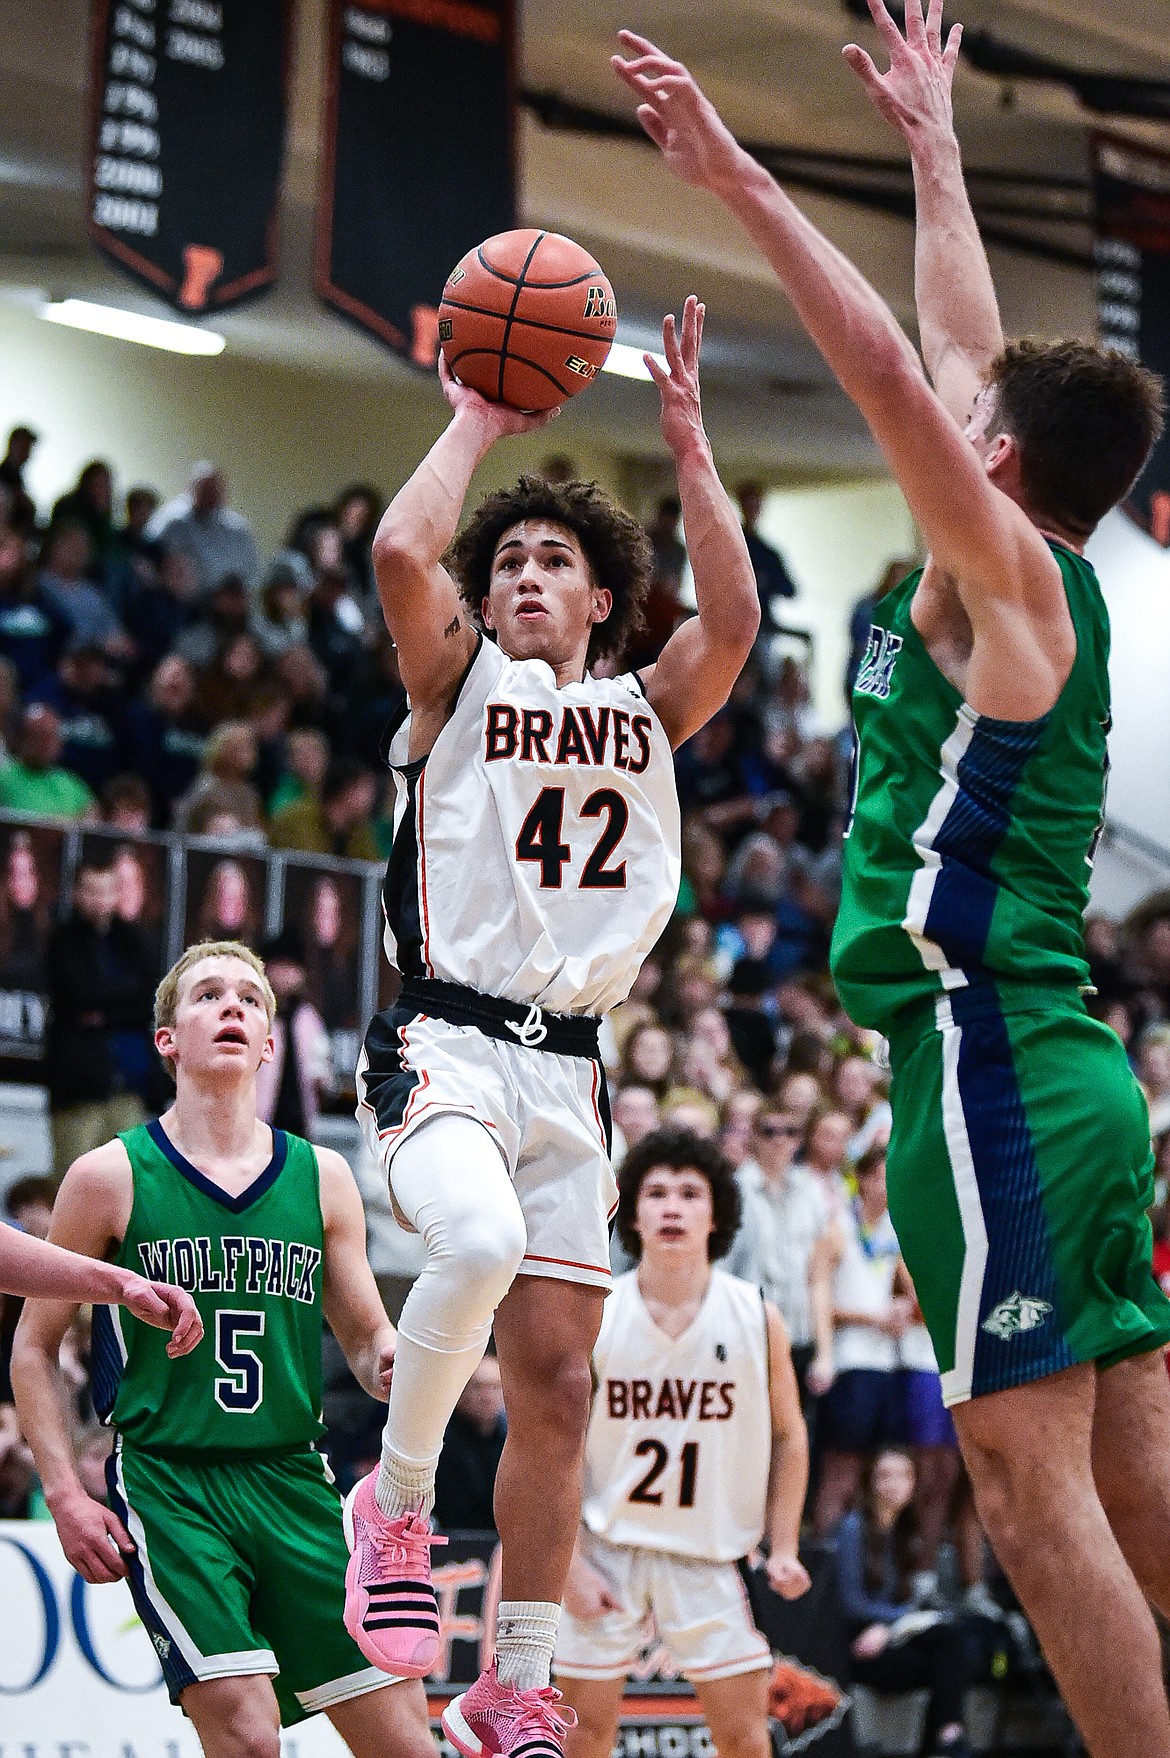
527,319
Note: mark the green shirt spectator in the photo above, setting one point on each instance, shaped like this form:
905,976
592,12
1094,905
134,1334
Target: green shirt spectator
337,821
34,782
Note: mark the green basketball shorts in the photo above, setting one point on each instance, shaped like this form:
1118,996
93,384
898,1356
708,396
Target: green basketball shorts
240,1569
1019,1176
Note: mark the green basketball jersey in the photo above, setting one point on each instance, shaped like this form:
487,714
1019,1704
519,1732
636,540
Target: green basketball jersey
253,1265
968,852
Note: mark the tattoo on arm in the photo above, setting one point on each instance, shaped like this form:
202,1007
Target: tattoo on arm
453,628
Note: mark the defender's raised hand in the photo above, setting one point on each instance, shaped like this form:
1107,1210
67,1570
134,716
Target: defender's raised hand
695,142
915,94
682,415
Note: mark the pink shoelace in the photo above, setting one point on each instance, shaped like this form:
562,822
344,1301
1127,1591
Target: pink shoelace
395,1546
541,1708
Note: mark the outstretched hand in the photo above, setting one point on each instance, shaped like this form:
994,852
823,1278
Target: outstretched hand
680,120
500,419
168,1309
682,415
915,95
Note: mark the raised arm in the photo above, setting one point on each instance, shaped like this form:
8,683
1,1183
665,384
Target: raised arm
419,599
695,671
1007,581
36,1267
958,314
350,1299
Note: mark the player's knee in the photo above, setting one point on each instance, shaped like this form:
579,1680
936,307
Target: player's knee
561,1388
486,1248
249,1733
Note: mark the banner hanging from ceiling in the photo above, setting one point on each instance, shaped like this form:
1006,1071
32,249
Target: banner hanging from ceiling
1132,189
417,157
187,118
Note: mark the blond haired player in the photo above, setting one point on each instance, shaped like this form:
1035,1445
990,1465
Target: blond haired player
696,1451
222,1512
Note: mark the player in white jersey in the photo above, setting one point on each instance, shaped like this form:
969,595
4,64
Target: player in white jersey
696,1451
535,862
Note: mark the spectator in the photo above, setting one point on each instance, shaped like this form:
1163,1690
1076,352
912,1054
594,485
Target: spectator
90,503
648,1058
891,1648
228,910
663,609
772,577
166,735
357,512
234,686
223,785
22,514
290,1088
737,1133
221,614
337,823
635,1114
830,1131
278,621
160,608
466,1476
202,525
140,507
787,1244
126,804
101,981
88,708
34,782
862,1410
33,632
306,760
66,559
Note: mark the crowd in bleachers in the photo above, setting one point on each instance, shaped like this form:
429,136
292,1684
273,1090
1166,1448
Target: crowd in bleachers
157,671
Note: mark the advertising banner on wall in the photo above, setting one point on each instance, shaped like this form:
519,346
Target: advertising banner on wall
80,1679
416,162
1132,187
187,113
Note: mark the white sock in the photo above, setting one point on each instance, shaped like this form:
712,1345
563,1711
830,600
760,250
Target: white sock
526,1632
400,1487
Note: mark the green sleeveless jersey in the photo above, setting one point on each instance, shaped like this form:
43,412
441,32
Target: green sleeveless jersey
969,848
253,1265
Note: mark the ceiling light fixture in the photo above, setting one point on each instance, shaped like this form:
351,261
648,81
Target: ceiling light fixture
132,326
627,362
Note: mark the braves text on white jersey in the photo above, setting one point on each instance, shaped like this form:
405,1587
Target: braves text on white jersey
536,848
680,1433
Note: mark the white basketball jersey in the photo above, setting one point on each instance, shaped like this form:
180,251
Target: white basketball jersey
536,848
680,1433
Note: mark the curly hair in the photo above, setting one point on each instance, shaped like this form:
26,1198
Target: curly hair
682,1151
1084,418
615,546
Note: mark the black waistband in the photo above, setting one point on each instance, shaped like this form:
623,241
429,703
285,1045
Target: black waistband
565,1034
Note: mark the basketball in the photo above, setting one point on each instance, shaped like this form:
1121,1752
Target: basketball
527,318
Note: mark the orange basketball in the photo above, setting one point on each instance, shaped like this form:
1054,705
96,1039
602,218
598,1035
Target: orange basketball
527,318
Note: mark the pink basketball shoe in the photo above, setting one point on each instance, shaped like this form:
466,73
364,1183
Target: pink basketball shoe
390,1606
493,1719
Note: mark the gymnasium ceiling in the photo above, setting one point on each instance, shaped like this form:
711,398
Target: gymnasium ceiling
774,68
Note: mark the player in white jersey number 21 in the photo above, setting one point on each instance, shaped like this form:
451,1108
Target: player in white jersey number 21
696,1451
535,862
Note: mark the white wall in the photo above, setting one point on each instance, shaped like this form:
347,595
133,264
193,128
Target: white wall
837,541
287,438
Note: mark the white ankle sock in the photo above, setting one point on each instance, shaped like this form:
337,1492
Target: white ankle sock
400,1488
526,1631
